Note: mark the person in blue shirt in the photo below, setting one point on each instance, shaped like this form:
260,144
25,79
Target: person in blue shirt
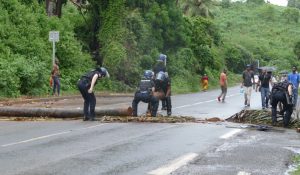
294,78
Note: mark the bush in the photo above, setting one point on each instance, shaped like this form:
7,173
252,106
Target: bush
291,14
26,53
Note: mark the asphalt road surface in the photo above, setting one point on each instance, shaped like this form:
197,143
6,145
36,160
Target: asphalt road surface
74,147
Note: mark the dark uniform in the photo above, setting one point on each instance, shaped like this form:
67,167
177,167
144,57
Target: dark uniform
144,94
159,66
280,94
84,85
164,84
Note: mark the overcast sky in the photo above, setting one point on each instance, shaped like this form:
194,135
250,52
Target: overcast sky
279,2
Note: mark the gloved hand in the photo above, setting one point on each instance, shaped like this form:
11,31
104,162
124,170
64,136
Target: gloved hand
292,99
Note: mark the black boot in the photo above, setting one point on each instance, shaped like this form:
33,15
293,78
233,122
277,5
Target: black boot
169,106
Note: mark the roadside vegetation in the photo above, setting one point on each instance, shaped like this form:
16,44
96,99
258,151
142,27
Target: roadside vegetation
265,32
296,161
127,36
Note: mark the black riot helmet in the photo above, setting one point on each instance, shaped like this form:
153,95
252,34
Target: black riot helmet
162,58
148,74
103,71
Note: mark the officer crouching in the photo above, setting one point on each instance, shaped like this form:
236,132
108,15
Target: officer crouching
144,94
282,92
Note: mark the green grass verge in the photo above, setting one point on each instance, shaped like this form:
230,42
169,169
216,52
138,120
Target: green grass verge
296,161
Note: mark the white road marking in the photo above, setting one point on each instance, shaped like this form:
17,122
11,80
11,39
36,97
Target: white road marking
201,102
37,138
230,134
48,136
89,127
243,173
174,165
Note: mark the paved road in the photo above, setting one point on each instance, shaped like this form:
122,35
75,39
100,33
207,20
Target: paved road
77,147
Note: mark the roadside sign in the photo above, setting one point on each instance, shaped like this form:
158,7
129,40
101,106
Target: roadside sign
54,36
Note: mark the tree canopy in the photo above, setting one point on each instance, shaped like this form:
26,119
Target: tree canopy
201,36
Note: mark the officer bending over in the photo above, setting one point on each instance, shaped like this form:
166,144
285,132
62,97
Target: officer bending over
144,93
86,87
282,92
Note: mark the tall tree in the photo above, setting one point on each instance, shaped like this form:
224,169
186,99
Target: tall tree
54,7
197,7
297,50
256,1
294,3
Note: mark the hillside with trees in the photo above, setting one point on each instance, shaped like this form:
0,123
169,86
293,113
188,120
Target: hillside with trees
258,31
127,36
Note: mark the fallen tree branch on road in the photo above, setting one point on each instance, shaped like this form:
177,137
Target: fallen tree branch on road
260,117
160,119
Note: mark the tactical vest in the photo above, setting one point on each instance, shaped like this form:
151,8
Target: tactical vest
89,76
161,85
159,67
281,86
145,86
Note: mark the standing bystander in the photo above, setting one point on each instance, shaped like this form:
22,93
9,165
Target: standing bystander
204,82
55,77
294,78
248,78
223,85
264,80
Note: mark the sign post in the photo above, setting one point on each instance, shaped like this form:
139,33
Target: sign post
53,37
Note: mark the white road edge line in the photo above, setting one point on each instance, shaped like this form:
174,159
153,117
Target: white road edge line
174,165
243,173
37,138
47,136
201,102
230,133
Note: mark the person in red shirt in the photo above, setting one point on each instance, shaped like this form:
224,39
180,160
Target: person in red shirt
223,85
204,81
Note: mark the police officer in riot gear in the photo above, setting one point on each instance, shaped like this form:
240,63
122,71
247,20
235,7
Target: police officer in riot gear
163,84
161,66
282,92
144,93
167,90
86,86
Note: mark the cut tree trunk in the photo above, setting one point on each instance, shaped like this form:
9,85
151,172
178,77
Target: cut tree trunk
59,112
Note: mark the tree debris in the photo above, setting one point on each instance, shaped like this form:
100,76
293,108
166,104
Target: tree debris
158,119
260,117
